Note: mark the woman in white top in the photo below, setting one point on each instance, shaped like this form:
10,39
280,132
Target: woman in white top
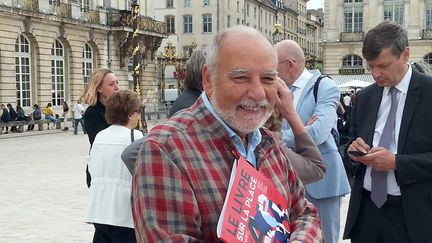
109,207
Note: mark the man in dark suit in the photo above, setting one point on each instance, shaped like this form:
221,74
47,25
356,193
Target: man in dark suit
391,199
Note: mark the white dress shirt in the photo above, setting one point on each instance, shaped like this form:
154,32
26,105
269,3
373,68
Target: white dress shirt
299,85
384,110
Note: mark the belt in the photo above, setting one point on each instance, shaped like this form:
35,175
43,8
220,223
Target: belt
391,200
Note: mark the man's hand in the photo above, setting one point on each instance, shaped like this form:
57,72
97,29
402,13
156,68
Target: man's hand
286,108
284,101
311,120
379,158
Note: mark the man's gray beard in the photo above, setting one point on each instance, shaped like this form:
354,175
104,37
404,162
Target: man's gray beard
230,119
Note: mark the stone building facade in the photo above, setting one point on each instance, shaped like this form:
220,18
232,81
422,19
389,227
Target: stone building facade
196,22
49,48
346,23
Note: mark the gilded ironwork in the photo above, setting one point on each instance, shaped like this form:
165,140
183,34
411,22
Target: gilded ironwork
170,57
137,48
30,5
93,16
124,18
65,10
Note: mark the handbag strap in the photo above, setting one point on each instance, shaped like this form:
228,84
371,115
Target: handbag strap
132,135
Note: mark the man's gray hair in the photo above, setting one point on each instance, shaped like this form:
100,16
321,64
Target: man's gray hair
213,50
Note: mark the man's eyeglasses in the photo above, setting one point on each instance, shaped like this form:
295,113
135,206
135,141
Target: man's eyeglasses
286,60
138,111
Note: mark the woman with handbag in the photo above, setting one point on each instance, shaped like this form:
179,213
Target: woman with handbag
109,208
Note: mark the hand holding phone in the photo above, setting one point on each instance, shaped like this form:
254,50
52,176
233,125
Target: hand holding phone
357,153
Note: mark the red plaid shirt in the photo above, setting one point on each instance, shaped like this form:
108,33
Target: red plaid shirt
182,174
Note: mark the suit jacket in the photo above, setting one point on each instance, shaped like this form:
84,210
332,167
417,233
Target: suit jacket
185,100
414,154
334,182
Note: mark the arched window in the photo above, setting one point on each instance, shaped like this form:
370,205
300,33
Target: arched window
57,73
428,58
352,61
23,71
87,63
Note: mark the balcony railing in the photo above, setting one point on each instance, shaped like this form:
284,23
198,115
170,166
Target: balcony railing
427,34
29,5
91,16
351,36
124,18
115,17
63,10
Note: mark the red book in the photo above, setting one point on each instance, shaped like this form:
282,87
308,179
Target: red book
254,210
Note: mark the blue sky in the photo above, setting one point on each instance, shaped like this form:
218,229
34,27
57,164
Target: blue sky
315,4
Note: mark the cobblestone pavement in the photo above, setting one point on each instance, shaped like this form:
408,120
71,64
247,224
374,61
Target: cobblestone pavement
43,191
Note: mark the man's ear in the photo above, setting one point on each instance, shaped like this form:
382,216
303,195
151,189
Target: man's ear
206,79
406,54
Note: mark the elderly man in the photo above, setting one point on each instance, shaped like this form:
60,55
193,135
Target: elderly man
319,114
183,169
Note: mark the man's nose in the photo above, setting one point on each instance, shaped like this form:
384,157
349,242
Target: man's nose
256,90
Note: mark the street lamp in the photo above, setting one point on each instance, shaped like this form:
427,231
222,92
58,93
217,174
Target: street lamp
277,33
136,53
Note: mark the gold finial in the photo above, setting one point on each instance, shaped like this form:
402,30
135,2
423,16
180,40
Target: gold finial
194,44
278,28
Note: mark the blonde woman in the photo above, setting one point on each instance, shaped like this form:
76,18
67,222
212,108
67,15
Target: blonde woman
102,85
109,208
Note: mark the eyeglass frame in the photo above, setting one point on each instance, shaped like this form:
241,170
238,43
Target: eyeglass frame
286,60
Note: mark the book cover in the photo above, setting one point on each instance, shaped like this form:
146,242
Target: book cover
254,210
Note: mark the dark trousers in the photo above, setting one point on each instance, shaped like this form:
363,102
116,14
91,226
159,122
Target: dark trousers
76,121
31,127
380,225
113,234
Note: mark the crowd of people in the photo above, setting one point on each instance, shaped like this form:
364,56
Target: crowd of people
264,106
9,114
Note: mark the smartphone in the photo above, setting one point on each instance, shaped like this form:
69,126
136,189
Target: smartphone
357,153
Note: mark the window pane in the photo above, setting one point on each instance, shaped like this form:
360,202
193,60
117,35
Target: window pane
22,71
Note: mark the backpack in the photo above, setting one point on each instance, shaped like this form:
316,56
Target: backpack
334,132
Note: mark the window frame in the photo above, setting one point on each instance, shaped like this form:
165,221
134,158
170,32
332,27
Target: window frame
396,10
207,23
352,18
58,89
428,58
23,71
87,63
169,3
187,24
352,61
170,26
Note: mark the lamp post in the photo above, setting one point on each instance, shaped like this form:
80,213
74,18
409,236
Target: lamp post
277,33
136,53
